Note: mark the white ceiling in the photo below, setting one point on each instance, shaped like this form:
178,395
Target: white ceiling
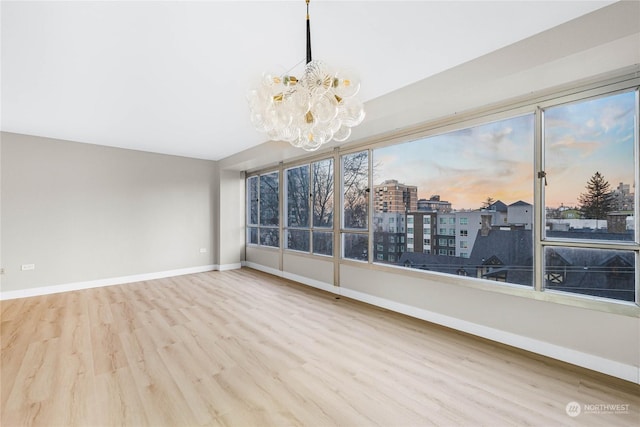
171,77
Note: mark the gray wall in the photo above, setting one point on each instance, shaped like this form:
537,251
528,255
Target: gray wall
83,212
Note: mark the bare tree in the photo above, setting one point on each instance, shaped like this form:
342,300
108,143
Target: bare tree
269,199
253,199
298,197
488,202
355,172
323,204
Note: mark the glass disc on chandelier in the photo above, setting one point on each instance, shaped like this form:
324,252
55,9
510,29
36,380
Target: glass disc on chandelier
309,111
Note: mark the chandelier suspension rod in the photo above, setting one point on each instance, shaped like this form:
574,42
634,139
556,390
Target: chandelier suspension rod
309,111
308,35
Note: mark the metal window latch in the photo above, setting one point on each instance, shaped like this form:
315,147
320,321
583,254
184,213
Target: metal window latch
543,175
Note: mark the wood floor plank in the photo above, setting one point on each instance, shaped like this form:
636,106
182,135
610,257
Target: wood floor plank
243,348
119,401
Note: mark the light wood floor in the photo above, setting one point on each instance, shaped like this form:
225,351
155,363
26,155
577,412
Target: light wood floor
242,348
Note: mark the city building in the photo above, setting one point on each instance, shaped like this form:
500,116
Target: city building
468,224
502,210
389,236
392,196
520,214
622,198
434,204
448,234
421,228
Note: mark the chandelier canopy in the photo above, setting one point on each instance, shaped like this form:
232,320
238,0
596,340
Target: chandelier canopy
309,111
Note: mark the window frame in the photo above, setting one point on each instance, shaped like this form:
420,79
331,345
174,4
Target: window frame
360,233
312,229
530,104
258,226
542,241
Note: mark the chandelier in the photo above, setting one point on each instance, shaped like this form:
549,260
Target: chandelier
309,111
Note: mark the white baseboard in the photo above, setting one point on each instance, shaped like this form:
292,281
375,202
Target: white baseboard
265,269
312,282
296,278
225,267
578,358
54,289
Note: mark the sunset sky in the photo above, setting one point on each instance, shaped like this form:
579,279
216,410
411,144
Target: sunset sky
589,137
496,159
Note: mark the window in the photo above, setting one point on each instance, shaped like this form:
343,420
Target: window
322,242
595,272
323,203
297,208
586,179
591,162
355,205
253,200
354,246
465,167
263,210
322,178
310,213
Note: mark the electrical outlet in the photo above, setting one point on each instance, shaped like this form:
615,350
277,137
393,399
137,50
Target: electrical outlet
26,267
203,250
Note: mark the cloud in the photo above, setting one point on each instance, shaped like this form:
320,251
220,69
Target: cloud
613,116
496,136
569,146
466,166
